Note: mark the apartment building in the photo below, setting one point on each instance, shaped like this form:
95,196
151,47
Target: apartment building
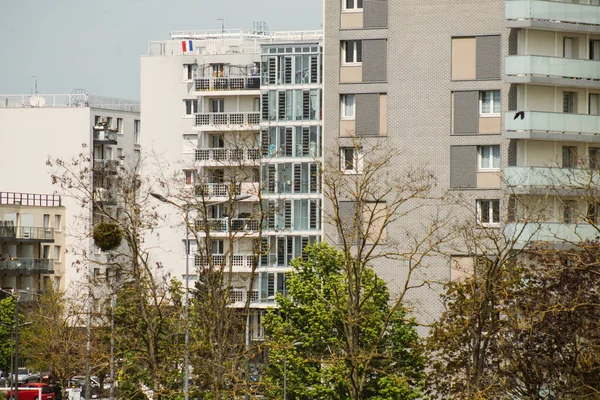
236,117
32,242
34,128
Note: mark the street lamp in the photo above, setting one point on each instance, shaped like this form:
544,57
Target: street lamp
16,369
163,199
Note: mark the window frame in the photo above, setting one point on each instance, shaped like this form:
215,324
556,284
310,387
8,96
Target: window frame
343,100
490,208
120,126
357,160
480,166
355,59
136,131
491,113
193,107
188,72
354,8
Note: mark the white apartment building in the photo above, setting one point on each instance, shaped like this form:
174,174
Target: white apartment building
227,111
34,128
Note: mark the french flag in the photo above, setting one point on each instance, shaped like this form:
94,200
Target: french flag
187,46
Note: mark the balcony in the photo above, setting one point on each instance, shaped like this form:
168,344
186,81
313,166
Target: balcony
104,136
105,197
552,14
541,125
227,85
26,234
225,190
221,156
550,232
552,71
221,225
107,166
243,120
238,262
28,266
542,180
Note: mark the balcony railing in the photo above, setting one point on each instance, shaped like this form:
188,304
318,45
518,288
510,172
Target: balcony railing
105,136
106,165
546,177
28,265
26,233
578,127
553,67
552,11
228,83
228,119
237,261
550,232
30,199
222,154
222,225
226,189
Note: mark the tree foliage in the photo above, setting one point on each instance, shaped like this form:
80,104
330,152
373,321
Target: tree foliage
312,331
7,323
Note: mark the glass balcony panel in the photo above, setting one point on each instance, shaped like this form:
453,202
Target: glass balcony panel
540,121
554,11
552,67
550,232
570,178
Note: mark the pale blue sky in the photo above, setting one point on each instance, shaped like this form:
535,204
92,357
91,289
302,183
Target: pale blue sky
97,44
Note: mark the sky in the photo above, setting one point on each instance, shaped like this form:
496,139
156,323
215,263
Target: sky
96,44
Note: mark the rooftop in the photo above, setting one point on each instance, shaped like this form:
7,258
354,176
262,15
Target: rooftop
67,101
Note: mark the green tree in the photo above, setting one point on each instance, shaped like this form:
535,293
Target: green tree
7,323
311,334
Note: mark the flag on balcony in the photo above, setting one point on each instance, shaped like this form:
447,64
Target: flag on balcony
187,46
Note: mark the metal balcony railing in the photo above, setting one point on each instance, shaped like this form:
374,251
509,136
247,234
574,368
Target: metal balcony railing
106,165
236,260
26,233
221,154
30,199
105,136
228,119
28,265
227,83
222,225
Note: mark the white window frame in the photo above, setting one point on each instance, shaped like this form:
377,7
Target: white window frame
120,126
188,70
354,8
193,107
486,209
136,131
491,113
354,45
343,105
481,166
357,162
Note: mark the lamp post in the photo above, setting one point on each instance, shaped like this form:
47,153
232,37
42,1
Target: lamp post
16,369
186,207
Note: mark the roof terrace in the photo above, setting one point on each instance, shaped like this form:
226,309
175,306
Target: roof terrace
67,101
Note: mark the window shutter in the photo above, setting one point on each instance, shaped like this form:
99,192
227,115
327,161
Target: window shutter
288,70
271,178
265,143
287,214
306,104
265,106
289,249
304,244
281,105
305,141
272,71
289,134
314,69
280,251
313,217
314,176
297,177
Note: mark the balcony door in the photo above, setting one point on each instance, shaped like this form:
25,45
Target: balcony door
217,105
27,226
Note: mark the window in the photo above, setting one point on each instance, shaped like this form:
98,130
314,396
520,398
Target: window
352,52
120,126
570,102
188,71
57,221
569,156
569,216
191,107
57,253
489,157
348,106
46,221
217,105
488,212
46,252
189,176
120,156
136,131
97,120
351,160
352,5
109,122
592,213
489,102
594,155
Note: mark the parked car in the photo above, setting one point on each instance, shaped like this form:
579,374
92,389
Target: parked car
26,375
31,391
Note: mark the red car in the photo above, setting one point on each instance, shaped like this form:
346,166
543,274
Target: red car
31,391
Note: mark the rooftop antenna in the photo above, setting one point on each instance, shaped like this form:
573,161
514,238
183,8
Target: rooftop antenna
222,19
36,86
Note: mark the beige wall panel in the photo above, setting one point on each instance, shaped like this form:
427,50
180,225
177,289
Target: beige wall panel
489,180
489,125
351,74
347,127
463,58
541,43
351,20
383,114
540,98
540,154
461,267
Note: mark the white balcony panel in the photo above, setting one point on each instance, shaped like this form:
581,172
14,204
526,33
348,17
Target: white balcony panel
540,125
549,13
553,71
555,232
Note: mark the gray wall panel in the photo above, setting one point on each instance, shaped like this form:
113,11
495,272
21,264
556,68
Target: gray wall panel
466,112
488,57
367,114
374,60
375,14
463,166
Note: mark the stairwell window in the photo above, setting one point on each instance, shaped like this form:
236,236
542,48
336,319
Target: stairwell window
351,160
488,157
352,52
352,5
489,103
488,212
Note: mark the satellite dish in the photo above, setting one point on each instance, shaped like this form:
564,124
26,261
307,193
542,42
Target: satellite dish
37,101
